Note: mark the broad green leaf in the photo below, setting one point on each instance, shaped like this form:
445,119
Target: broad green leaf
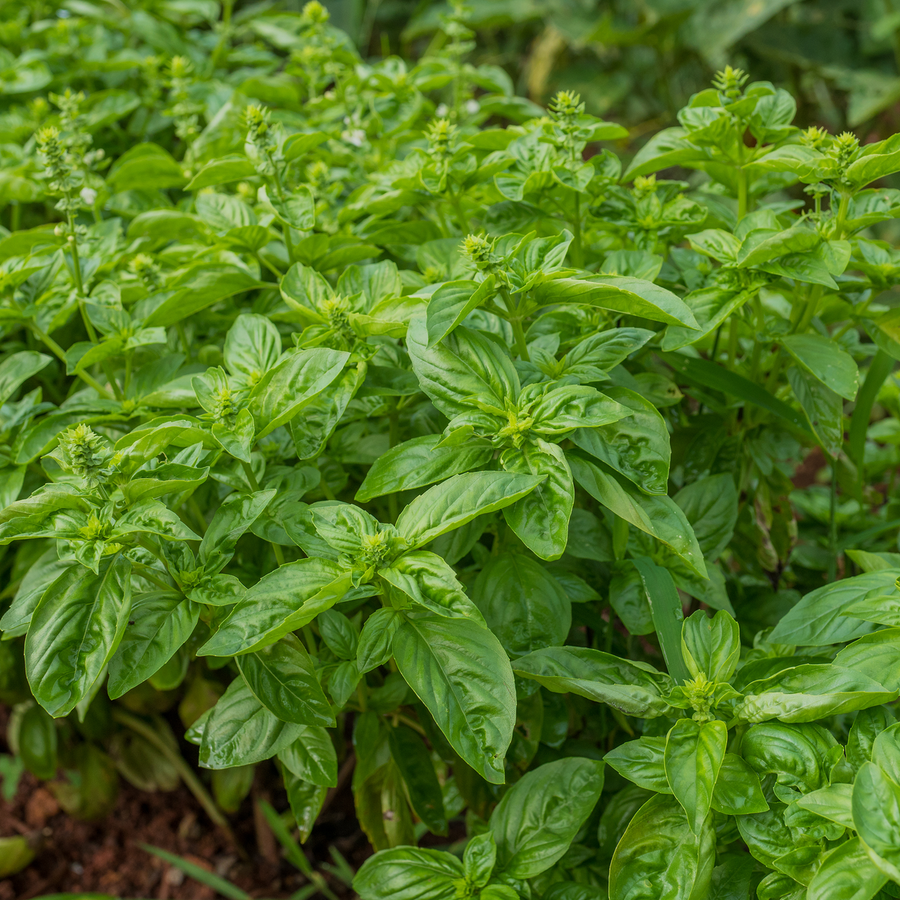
818,620
809,692
232,519
825,360
449,305
463,367
420,462
537,819
17,368
222,171
876,816
292,384
241,731
618,293
522,603
636,447
711,506
634,688
410,873
199,287
823,408
658,516
847,873
659,849
737,791
311,756
693,758
162,622
458,500
413,759
643,762
283,678
431,584
541,518
282,601
74,632
711,646
460,672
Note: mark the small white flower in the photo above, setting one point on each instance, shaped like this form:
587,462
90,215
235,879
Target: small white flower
442,110
472,107
356,137
88,196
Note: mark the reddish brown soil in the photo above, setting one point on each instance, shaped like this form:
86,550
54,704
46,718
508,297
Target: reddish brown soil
106,856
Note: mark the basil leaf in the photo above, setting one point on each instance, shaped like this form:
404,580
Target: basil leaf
459,671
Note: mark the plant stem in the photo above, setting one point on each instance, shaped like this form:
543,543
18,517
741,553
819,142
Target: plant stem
194,785
577,249
58,351
519,333
832,524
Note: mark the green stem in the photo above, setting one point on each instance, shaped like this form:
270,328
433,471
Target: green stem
519,334
248,471
832,524
577,249
177,761
58,351
743,193
842,215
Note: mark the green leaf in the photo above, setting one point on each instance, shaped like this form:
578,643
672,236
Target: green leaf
283,678
634,688
199,287
659,848
711,506
876,817
409,873
420,462
738,791
711,646
818,620
162,623
282,601
449,305
296,210
541,518
292,384
642,762
233,519
413,759
458,500
658,516
145,167
809,692
74,632
460,672
17,368
537,819
522,603
465,365
666,610
693,757
431,584
847,873
618,293
708,374
826,360
823,408
311,756
241,731
224,170
636,447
